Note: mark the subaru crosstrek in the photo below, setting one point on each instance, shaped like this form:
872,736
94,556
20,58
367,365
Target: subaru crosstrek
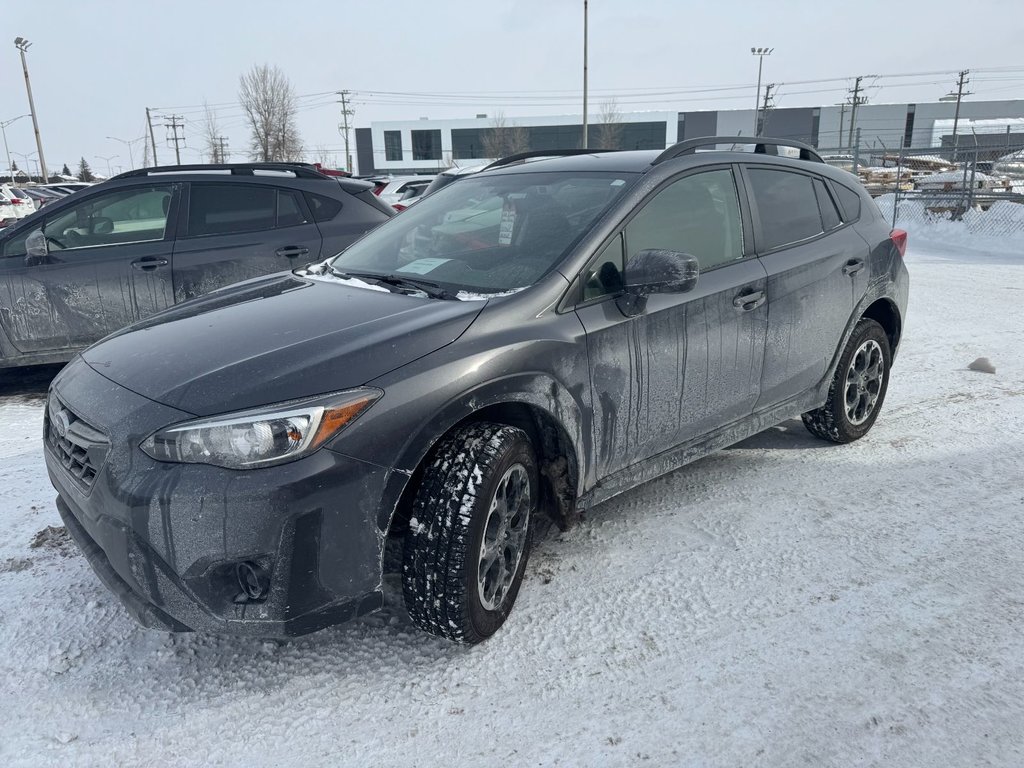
530,341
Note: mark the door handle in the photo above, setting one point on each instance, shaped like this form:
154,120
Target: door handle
853,266
292,251
149,263
749,300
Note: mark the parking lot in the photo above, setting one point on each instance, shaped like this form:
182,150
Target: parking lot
782,602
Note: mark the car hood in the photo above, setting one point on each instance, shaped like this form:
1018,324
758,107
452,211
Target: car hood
273,339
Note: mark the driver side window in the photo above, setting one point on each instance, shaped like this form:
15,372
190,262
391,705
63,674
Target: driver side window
698,215
125,216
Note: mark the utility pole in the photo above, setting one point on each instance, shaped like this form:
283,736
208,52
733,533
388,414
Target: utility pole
346,113
222,149
22,45
175,123
842,115
585,125
960,93
152,137
763,122
855,101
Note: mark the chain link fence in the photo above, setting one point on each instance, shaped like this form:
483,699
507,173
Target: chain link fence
971,188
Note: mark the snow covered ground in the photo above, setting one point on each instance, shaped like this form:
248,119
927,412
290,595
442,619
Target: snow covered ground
785,602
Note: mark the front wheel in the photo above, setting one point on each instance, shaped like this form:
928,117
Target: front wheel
858,387
470,532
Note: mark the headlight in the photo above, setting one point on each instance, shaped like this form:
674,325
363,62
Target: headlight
261,436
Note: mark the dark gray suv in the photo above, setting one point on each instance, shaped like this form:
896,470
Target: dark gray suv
118,252
530,341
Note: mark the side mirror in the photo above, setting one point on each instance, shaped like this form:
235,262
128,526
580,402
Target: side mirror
35,245
656,271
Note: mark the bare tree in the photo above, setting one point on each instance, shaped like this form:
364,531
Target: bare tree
324,156
609,129
502,139
268,99
210,131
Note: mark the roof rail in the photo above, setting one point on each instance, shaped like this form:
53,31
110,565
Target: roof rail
521,156
762,146
301,170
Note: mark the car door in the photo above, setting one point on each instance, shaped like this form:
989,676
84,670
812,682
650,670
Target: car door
107,264
234,231
810,277
689,363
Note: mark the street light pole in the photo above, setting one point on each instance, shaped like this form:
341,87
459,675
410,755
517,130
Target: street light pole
28,163
22,45
108,159
128,143
760,53
3,130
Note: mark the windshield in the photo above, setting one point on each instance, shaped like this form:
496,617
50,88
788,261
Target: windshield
487,234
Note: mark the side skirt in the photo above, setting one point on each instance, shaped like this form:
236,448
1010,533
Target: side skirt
723,437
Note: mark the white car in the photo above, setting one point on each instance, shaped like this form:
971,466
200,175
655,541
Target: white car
395,189
17,207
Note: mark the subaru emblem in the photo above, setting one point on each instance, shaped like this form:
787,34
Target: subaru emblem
61,422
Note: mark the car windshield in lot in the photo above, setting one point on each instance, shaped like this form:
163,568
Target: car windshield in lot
489,234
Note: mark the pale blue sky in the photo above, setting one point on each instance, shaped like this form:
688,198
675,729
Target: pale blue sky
96,65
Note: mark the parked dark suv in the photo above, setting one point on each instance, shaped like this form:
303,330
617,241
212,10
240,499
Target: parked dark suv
118,252
534,339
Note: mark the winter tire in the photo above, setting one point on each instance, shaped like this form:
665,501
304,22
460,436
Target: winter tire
858,387
470,532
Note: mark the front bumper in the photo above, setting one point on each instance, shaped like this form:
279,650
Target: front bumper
167,539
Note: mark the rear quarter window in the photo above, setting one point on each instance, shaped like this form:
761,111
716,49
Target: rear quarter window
323,208
850,202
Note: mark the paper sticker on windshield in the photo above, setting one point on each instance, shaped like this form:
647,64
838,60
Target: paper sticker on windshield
508,223
422,266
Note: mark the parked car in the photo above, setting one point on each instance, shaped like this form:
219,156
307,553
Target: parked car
91,263
38,195
240,462
21,206
393,190
412,194
8,214
69,187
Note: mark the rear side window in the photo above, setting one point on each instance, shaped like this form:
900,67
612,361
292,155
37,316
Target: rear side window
786,206
323,208
218,209
850,201
829,215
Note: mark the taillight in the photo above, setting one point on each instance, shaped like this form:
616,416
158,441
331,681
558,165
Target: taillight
17,200
399,207
899,239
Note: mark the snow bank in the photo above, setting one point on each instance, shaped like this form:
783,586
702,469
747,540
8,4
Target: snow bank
999,229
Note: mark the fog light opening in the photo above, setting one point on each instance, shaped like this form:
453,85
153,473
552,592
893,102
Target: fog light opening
252,580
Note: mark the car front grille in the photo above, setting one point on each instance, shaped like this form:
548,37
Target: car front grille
80,447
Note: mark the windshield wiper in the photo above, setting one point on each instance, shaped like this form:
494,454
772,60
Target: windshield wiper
433,290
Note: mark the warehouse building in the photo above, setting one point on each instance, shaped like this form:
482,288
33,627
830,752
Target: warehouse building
425,146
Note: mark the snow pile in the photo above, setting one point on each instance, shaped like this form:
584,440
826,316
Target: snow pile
1000,228
782,602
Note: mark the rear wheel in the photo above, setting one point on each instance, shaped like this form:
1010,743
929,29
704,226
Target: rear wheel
470,532
858,387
